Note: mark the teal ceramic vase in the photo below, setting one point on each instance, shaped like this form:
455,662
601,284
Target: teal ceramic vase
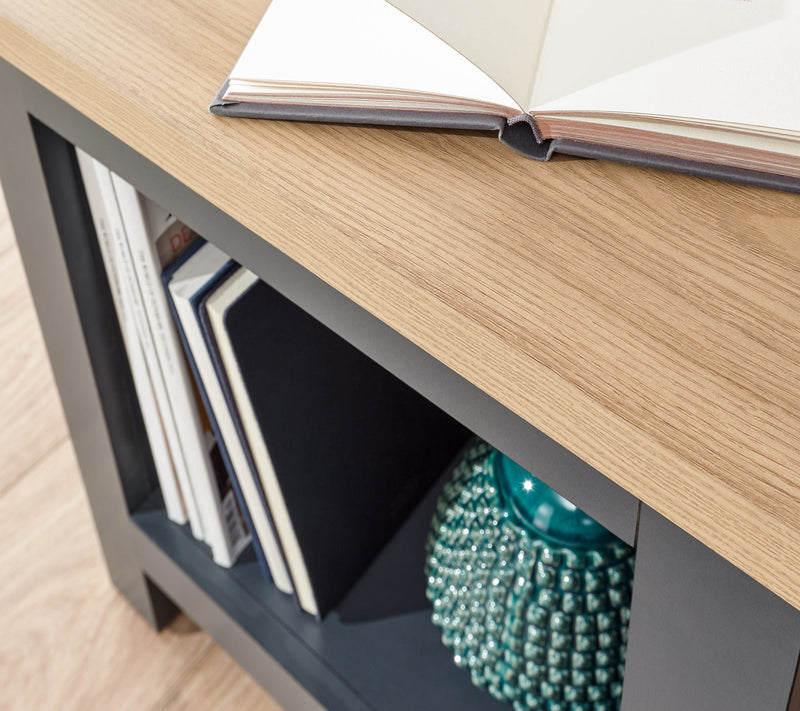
531,595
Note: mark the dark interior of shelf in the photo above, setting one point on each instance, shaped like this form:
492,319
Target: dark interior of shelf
99,321
379,641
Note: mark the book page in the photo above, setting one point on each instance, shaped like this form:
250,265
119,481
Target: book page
502,37
589,41
750,80
358,43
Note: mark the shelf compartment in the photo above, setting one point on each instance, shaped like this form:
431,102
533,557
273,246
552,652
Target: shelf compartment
377,650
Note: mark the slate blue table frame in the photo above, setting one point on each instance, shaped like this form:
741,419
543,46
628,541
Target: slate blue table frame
704,636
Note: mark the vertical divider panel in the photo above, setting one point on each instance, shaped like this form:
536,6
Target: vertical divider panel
704,635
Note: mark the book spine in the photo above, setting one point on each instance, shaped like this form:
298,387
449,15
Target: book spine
134,233
242,475
225,531
233,521
231,538
201,477
263,470
107,221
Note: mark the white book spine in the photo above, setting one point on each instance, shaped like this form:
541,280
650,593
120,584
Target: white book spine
106,221
201,479
129,278
225,530
244,474
141,253
217,305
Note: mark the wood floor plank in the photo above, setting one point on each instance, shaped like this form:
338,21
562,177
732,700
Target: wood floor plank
219,683
31,418
6,232
69,640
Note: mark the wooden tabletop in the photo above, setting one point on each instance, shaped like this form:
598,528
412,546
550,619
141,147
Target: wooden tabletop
649,322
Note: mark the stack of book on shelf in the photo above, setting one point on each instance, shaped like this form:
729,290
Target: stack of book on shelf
137,239
264,424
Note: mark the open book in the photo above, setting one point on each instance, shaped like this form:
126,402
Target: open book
709,86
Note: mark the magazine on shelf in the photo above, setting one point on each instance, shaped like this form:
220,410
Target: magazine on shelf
147,227
136,335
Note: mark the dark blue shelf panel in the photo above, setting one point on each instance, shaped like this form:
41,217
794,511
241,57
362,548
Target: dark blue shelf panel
377,650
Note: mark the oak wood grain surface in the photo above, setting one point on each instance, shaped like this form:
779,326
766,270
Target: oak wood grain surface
31,420
647,321
70,640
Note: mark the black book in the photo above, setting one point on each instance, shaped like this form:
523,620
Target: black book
344,449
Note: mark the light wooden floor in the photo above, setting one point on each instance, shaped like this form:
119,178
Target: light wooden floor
68,640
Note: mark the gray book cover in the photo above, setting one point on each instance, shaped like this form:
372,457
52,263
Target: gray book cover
519,134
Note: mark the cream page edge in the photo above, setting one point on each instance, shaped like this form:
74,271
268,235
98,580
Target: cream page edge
732,81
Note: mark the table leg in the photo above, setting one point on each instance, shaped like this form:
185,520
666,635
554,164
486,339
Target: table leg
704,636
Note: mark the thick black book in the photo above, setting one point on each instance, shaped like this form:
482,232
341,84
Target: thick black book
345,449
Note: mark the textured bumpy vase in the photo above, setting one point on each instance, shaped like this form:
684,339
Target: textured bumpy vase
532,596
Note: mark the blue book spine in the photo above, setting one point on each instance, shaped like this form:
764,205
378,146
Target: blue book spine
198,302
166,277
